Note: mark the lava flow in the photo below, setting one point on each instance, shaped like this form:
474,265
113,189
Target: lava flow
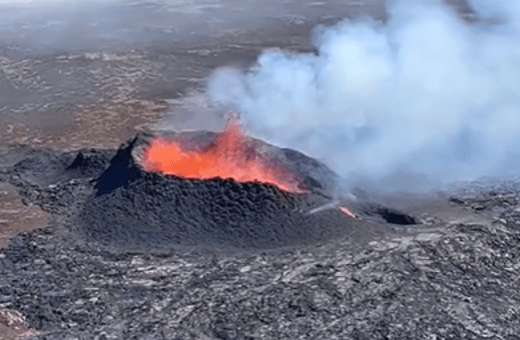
231,155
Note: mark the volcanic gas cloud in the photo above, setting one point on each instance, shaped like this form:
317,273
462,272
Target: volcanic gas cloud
423,93
232,154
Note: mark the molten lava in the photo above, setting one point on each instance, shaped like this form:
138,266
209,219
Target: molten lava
347,212
231,155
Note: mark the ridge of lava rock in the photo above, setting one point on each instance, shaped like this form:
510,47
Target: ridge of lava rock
123,167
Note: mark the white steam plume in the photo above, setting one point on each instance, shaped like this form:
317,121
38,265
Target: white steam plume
424,93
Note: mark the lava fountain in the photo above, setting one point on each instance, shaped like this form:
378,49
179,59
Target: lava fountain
232,154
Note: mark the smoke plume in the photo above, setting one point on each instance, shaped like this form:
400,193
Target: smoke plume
423,93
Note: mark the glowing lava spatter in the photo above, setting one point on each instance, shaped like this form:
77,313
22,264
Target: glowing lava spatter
231,155
347,212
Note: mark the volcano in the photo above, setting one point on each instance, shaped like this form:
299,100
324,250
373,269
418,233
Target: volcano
135,204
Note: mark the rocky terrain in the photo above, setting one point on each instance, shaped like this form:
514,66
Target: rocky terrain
67,102
455,275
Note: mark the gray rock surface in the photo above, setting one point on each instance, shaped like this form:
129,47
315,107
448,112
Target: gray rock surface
438,280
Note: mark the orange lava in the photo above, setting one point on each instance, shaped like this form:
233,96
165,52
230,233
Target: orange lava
231,155
347,212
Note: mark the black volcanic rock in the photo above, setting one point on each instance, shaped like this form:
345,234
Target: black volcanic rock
115,202
315,175
46,167
123,168
392,216
131,207
446,280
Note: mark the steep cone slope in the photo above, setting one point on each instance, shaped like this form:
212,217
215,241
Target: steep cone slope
133,207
